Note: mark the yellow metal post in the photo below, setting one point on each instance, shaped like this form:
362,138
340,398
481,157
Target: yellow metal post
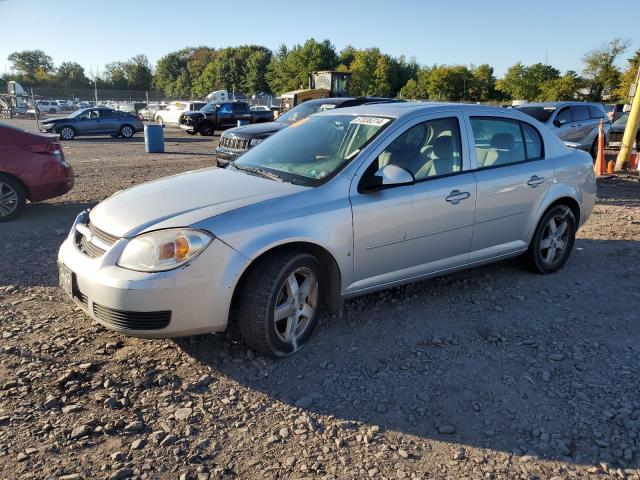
631,129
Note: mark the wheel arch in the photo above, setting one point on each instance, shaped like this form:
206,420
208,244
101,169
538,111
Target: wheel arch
26,190
327,260
561,199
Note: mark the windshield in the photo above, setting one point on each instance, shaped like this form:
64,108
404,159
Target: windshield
303,111
314,149
541,114
77,112
210,107
622,120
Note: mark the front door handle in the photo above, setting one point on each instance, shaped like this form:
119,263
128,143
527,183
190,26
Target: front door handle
456,196
535,181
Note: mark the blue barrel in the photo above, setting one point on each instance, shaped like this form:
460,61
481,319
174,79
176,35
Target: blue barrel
243,122
153,139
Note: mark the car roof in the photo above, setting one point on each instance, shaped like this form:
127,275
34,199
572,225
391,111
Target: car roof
556,104
404,109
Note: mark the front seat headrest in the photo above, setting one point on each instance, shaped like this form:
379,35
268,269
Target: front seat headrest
503,141
443,147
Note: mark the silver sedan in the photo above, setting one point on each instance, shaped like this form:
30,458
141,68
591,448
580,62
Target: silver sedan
339,204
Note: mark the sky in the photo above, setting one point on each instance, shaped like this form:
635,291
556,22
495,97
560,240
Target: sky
498,32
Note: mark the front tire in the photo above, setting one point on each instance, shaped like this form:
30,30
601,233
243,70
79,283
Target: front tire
280,301
206,129
67,133
552,241
12,198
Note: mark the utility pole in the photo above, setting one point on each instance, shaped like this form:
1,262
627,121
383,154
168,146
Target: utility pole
632,125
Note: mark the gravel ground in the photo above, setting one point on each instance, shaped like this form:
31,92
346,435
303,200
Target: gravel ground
493,373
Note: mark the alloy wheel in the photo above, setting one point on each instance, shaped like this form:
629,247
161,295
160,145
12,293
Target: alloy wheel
555,238
296,305
127,131
67,133
8,199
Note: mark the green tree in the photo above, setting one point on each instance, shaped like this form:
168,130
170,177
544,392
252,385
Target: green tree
138,73
289,68
601,74
237,69
169,68
71,74
115,75
32,65
561,88
483,83
449,83
628,77
522,82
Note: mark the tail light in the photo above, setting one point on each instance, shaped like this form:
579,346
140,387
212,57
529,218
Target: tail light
50,148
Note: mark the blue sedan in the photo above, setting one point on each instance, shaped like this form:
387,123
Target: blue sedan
94,121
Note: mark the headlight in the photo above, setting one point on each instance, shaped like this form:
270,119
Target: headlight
256,141
164,249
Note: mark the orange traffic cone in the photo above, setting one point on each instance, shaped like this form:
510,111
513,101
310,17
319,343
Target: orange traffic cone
600,166
633,158
611,167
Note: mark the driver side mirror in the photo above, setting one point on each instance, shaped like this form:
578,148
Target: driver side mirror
387,177
559,122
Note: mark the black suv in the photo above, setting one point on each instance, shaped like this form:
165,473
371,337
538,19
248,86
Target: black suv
236,141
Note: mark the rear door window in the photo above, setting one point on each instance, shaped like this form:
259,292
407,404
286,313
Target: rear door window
580,113
499,141
240,108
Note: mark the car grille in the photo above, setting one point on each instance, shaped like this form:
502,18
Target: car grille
615,137
89,248
132,320
235,143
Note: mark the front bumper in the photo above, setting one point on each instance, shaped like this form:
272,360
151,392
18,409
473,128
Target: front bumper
225,156
189,128
189,300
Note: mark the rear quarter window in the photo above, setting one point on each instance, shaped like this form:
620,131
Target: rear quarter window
580,113
595,112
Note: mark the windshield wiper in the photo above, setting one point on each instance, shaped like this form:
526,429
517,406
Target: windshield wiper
259,171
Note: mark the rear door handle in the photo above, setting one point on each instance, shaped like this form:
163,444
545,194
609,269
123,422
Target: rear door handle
535,181
456,196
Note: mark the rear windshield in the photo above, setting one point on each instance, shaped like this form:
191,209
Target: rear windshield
541,114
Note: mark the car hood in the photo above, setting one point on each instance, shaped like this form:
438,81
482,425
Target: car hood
55,120
182,200
618,128
256,129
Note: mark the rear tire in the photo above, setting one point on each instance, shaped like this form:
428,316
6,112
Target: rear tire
191,132
13,198
280,301
552,241
126,131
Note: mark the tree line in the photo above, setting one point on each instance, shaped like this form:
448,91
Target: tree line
193,72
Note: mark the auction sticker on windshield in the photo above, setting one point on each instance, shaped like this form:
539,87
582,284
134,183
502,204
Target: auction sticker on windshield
376,121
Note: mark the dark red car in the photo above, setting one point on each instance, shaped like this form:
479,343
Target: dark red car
32,167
